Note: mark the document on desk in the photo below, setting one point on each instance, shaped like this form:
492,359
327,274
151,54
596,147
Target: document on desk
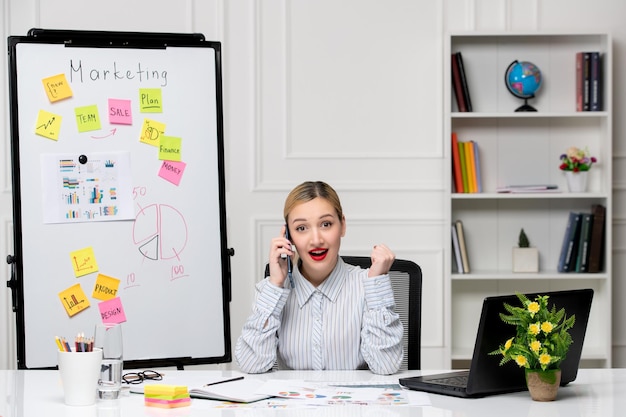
316,393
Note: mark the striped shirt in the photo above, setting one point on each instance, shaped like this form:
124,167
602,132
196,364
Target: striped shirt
347,322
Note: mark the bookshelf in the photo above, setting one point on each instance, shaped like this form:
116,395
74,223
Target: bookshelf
524,148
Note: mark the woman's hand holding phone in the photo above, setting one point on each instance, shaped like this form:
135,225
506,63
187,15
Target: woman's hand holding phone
280,262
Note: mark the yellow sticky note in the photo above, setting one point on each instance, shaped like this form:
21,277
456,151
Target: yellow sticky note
74,299
87,118
84,261
151,132
57,88
48,125
150,100
105,287
169,148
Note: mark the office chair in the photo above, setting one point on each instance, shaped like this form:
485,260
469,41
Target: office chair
406,282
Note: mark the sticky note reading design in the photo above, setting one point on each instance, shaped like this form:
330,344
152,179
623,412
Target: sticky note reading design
87,118
74,299
48,125
57,88
151,132
169,148
172,171
150,100
120,112
84,261
105,287
111,311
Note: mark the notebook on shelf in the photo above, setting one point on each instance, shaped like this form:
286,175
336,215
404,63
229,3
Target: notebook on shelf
485,375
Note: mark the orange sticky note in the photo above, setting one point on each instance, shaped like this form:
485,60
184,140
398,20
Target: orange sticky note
170,148
48,125
151,132
84,261
105,287
74,299
57,88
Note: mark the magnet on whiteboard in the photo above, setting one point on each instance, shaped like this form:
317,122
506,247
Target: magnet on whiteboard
82,159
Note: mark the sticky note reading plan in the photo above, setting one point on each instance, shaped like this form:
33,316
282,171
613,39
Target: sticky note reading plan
150,100
74,299
169,148
57,87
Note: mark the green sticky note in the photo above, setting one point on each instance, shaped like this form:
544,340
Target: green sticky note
169,148
87,118
150,100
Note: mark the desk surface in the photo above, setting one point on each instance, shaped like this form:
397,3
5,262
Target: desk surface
596,392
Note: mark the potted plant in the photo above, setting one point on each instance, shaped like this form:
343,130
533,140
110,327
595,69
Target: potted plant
525,258
540,344
576,164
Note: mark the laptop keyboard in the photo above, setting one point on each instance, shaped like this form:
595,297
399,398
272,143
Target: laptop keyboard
456,381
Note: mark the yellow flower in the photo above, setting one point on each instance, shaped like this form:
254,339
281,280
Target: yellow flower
534,329
547,327
545,359
533,308
507,345
521,360
535,345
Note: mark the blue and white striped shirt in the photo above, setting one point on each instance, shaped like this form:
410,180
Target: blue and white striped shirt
347,322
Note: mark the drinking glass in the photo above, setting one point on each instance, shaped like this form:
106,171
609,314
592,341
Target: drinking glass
108,337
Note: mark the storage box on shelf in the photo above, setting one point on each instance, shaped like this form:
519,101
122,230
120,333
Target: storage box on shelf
523,148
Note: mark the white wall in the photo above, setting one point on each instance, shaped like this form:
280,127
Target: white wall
347,91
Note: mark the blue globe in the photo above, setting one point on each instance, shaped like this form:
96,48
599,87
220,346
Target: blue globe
523,79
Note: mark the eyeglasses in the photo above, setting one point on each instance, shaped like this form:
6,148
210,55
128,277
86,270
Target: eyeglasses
139,377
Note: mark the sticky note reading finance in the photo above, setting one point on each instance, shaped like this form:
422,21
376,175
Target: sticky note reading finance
105,287
169,148
87,118
74,299
150,100
111,311
48,125
151,132
84,261
57,88
172,171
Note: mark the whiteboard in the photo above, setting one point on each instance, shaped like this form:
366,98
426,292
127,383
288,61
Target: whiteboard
160,237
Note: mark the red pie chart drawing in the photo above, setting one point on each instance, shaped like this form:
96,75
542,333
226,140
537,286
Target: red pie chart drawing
160,231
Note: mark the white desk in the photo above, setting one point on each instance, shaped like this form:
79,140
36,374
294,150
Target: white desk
598,392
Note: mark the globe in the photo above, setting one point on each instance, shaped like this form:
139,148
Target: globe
523,79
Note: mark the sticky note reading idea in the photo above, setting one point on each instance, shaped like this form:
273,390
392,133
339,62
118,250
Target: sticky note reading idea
48,125
105,287
150,100
87,118
57,87
74,299
84,261
169,148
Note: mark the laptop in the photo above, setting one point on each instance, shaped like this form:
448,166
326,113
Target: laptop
486,376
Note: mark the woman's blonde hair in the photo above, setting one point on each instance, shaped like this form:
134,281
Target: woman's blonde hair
308,191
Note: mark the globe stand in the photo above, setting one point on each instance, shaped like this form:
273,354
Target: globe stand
526,106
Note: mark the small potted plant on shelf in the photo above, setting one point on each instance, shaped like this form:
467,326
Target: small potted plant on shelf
540,344
525,258
576,163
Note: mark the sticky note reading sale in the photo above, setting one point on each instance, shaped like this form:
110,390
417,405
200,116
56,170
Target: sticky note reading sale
48,125
57,88
169,148
74,299
151,132
84,261
120,112
172,171
112,311
105,287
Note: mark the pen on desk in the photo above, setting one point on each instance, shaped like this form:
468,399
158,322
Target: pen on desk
237,378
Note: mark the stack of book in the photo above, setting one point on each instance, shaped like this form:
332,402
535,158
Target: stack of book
583,243
459,83
459,248
588,81
466,166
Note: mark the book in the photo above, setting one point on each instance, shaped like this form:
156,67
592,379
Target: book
456,85
579,81
471,170
586,81
582,260
596,245
479,182
456,165
462,246
456,250
572,229
596,82
462,159
464,86
531,188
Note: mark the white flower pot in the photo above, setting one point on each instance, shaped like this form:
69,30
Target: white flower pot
525,260
576,181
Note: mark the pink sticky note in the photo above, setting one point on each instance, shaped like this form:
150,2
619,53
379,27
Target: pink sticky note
112,311
172,171
119,112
